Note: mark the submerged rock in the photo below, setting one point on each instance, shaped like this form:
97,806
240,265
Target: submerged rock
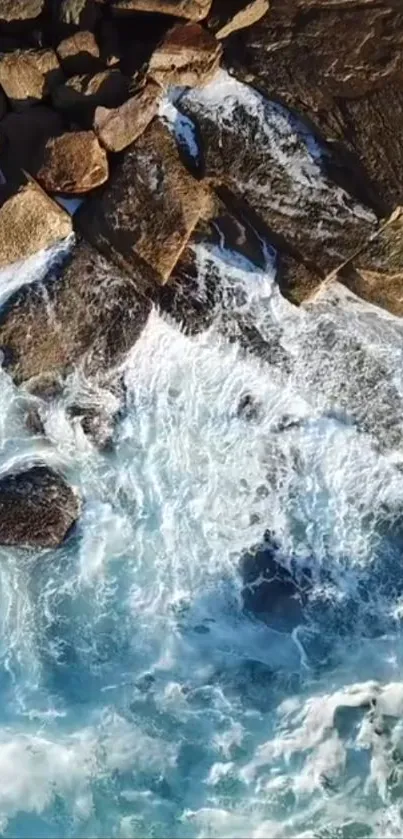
187,56
190,9
27,76
117,128
149,207
37,508
30,221
73,162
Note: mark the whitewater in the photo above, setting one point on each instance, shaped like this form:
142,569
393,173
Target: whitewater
138,698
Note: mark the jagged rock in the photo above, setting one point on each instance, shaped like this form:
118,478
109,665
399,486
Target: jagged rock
190,9
187,56
27,76
23,137
228,16
73,163
30,221
352,90
376,273
116,128
37,508
20,10
263,154
88,313
80,95
79,54
149,208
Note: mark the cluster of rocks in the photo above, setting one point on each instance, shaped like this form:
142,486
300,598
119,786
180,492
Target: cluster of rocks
81,83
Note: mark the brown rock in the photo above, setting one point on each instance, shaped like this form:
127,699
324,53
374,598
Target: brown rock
73,162
27,76
37,508
116,128
262,153
80,95
87,312
352,90
376,273
20,10
188,55
228,16
30,221
79,54
23,137
149,207
190,9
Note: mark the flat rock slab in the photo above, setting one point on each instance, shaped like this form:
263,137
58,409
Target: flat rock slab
261,152
27,76
117,128
187,56
352,90
190,9
149,207
88,313
74,163
37,508
29,222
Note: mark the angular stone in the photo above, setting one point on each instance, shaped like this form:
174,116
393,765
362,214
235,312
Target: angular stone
149,207
20,10
27,76
30,221
116,128
74,163
376,273
37,508
262,153
188,56
352,89
87,312
190,9
79,54
228,16
80,95
23,137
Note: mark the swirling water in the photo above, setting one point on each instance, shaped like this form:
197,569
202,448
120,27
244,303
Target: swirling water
137,697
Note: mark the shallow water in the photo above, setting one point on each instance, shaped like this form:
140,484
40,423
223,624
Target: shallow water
137,697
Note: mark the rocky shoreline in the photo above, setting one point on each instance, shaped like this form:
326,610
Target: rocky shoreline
82,83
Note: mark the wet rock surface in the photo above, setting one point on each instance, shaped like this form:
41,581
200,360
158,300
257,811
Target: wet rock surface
30,221
73,163
37,508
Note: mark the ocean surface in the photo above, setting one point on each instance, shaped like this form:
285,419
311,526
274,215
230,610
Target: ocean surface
138,698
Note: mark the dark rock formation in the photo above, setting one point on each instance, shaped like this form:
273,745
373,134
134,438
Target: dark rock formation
73,163
37,508
23,137
187,56
80,95
27,76
117,128
88,313
30,221
149,207
79,54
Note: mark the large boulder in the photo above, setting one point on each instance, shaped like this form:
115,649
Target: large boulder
30,221
80,95
262,153
79,54
190,9
187,56
149,207
20,10
87,312
352,89
27,76
117,128
74,163
23,136
37,508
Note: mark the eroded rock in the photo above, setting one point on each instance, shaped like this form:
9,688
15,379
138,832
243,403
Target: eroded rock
74,163
27,76
30,221
117,128
37,508
187,56
190,9
88,313
79,54
149,207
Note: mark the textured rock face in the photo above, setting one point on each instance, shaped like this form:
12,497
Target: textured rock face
149,207
187,56
117,128
73,162
79,54
190,9
23,137
20,10
37,508
30,221
90,314
260,152
26,76
352,90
